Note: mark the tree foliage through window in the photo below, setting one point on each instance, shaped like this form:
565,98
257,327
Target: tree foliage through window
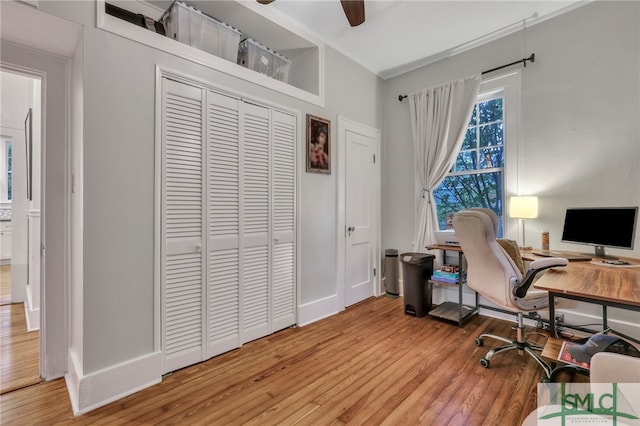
476,178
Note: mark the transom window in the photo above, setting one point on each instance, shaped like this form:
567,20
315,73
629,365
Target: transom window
476,179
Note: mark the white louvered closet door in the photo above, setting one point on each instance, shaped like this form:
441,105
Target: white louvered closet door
224,223
283,220
255,283
227,222
182,231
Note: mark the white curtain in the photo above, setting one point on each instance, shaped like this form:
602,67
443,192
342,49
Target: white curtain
439,119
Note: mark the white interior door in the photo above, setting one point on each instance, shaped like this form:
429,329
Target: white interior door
360,216
255,246
183,228
224,223
283,178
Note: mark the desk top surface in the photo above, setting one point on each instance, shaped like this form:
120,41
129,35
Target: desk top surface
443,247
599,282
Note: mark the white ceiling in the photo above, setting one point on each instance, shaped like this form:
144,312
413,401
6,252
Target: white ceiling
401,35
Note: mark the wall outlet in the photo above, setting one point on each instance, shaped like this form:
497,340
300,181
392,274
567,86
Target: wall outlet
560,318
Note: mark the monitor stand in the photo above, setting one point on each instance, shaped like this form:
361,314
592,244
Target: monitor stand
602,255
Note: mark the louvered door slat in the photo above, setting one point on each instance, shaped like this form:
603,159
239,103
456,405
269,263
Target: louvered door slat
224,223
182,225
283,220
256,129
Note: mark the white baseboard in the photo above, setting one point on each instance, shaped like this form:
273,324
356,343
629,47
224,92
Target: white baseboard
88,392
317,310
31,313
33,318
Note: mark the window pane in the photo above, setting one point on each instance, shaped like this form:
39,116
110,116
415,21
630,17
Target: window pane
474,116
490,110
470,139
466,161
457,193
492,134
9,171
492,157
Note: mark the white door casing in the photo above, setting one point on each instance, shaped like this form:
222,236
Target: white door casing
358,212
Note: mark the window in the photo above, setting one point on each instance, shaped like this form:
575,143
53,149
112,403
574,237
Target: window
6,168
9,170
477,177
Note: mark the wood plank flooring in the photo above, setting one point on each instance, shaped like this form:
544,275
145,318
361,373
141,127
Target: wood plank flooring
5,284
19,350
370,364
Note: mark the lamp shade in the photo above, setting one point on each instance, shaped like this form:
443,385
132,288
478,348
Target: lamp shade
523,207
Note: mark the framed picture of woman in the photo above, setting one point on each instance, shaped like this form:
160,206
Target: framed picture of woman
318,145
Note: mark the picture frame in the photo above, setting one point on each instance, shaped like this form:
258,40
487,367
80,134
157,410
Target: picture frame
318,147
28,139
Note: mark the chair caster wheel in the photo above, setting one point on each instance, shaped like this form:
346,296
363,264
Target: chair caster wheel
484,362
479,342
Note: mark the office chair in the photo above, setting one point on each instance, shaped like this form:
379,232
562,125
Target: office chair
493,274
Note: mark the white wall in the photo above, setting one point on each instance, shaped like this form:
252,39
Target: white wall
76,229
579,125
118,186
579,121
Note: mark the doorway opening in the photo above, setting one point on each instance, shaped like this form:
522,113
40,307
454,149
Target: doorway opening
20,171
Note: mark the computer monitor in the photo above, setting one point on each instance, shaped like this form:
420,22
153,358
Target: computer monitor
601,227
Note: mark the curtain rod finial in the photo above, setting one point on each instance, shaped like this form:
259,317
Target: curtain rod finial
401,97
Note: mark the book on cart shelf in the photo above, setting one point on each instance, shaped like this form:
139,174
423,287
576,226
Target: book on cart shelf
565,356
447,277
449,268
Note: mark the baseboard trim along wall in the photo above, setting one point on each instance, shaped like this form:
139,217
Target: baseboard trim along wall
31,313
88,392
317,310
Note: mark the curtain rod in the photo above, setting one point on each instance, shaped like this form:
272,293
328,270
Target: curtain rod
531,59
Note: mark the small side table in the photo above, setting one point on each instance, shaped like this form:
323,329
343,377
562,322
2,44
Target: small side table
452,311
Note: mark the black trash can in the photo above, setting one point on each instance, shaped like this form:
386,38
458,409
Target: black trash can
417,268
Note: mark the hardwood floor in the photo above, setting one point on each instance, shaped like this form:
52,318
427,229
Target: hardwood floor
19,350
5,284
370,364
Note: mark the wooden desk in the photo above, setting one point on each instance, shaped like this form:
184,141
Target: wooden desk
586,282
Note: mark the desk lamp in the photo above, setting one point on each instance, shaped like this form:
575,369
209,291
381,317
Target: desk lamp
523,208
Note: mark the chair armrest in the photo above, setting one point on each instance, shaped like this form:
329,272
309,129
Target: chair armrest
535,268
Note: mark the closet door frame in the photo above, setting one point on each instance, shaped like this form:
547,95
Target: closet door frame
174,74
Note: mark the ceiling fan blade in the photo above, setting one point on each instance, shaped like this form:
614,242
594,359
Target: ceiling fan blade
265,1
354,9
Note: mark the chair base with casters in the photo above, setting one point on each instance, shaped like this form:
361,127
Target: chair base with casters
521,344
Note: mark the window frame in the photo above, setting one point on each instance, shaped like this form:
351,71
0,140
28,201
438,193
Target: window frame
509,86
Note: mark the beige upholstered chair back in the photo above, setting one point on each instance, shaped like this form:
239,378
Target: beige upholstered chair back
491,272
